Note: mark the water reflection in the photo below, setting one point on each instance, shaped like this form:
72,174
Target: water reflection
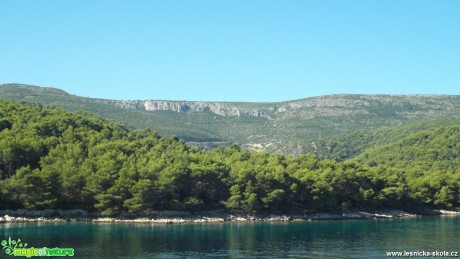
317,239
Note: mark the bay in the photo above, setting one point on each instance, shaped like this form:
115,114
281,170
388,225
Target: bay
309,239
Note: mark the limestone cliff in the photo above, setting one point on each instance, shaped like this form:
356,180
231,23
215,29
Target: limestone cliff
222,109
330,105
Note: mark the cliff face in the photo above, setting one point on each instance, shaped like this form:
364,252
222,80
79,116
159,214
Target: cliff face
331,105
222,109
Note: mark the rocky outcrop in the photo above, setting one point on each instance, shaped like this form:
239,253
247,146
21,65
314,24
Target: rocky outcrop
222,109
329,105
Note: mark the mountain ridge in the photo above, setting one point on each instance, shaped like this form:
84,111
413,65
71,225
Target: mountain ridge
290,127
302,102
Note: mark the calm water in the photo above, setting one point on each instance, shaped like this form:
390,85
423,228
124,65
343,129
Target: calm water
314,239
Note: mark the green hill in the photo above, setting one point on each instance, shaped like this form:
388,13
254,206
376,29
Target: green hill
432,149
53,159
291,127
350,145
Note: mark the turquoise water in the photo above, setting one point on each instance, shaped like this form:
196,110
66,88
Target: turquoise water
312,239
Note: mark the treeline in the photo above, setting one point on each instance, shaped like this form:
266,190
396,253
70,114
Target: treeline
50,158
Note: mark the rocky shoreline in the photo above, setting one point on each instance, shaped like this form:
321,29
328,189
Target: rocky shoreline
179,217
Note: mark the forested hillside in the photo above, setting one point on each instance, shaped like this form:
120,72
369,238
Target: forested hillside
291,127
352,144
51,158
433,149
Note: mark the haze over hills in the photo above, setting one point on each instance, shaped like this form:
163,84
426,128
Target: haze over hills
292,127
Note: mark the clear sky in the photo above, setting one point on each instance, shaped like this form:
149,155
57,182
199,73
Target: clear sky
232,50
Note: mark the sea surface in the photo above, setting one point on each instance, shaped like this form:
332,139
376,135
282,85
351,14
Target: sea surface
309,239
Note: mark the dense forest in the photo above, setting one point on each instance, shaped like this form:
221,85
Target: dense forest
50,158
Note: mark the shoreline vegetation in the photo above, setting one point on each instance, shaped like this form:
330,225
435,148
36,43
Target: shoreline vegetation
184,217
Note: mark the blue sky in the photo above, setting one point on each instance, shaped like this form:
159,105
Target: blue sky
245,50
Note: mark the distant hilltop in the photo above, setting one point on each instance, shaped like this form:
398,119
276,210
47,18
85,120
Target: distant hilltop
288,127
